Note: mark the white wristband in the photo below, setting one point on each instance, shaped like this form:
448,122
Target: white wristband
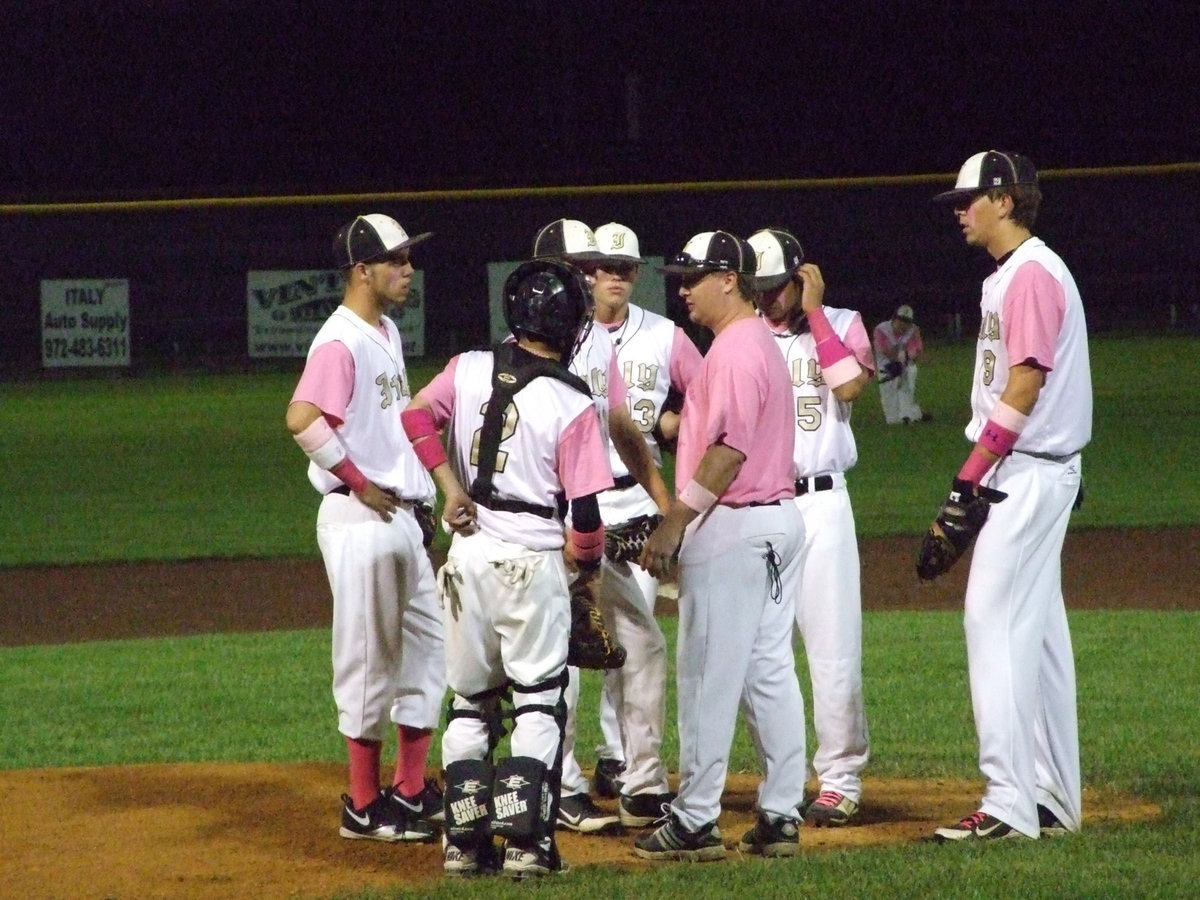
321,444
697,497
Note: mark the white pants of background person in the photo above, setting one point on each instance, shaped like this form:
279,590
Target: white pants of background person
899,397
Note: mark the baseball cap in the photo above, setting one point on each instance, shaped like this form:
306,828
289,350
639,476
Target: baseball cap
566,239
370,238
778,255
713,251
987,170
616,241
904,312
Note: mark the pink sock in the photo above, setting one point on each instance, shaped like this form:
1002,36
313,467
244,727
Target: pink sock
412,752
364,770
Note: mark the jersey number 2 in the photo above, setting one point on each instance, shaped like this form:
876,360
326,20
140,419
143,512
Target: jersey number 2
507,429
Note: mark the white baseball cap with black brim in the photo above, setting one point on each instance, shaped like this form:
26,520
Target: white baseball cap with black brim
778,255
987,170
713,251
619,243
370,239
566,239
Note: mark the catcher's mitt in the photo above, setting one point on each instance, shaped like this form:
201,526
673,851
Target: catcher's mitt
590,645
624,542
957,524
893,369
426,518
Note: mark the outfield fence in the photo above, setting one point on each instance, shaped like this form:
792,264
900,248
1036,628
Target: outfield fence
1131,235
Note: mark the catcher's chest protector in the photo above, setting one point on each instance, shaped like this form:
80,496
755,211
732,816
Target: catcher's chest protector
507,380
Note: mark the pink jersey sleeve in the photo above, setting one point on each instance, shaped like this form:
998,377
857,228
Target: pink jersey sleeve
859,344
439,393
883,338
583,466
327,381
914,345
617,392
685,360
1034,307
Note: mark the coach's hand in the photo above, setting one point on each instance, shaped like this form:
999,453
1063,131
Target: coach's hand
662,547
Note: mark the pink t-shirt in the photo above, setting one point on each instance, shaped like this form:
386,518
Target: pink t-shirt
742,398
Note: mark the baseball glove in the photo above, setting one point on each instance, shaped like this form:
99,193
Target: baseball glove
426,518
624,542
590,646
958,523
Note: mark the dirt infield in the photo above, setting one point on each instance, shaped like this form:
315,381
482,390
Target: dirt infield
182,831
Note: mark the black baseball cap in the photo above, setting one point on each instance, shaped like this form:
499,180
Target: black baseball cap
778,255
371,239
567,239
713,251
987,170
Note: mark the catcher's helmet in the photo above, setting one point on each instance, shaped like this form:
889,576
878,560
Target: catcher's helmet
550,301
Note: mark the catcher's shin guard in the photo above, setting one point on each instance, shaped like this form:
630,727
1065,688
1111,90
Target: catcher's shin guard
522,805
467,802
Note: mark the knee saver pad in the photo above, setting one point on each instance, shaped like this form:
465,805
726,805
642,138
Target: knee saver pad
467,801
521,799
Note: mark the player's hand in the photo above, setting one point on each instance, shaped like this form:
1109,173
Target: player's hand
459,512
812,287
661,548
379,500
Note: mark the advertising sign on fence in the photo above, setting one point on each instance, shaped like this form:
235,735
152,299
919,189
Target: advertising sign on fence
85,322
285,309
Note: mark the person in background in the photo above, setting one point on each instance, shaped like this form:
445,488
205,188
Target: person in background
898,346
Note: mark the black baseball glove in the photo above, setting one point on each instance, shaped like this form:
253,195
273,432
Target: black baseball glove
958,523
893,369
427,519
590,645
624,542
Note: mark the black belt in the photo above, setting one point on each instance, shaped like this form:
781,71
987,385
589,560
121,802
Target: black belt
819,483
404,501
623,483
751,503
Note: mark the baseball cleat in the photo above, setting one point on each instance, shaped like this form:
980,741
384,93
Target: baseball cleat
979,826
577,812
772,839
530,861
1050,824
607,777
425,804
672,841
460,862
379,820
830,809
640,810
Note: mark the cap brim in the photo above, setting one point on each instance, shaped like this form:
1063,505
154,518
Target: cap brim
403,245
620,257
957,194
772,282
675,269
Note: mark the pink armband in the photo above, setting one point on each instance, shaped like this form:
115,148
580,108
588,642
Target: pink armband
697,497
586,546
838,365
423,433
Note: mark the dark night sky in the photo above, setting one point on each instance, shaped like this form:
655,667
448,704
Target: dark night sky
134,99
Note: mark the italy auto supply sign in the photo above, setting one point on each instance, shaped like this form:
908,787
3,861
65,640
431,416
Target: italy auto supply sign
85,322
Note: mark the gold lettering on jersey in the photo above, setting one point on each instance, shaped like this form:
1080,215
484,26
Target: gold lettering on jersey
392,389
989,327
806,372
598,382
645,379
507,430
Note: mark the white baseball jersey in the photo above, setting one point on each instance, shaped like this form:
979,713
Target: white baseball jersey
824,440
372,421
546,416
1061,422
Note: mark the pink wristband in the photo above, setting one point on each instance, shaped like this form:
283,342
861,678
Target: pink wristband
351,475
423,433
697,497
818,323
586,546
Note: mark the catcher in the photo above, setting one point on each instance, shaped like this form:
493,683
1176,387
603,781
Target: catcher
504,587
898,345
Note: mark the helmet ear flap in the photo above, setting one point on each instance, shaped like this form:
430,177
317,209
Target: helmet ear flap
550,301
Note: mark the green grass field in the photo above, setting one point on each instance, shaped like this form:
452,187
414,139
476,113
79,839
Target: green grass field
175,467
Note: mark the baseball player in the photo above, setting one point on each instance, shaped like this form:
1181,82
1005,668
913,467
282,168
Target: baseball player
829,357
897,347
387,631
596,363
1031,403
522,432
656,357
739,539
